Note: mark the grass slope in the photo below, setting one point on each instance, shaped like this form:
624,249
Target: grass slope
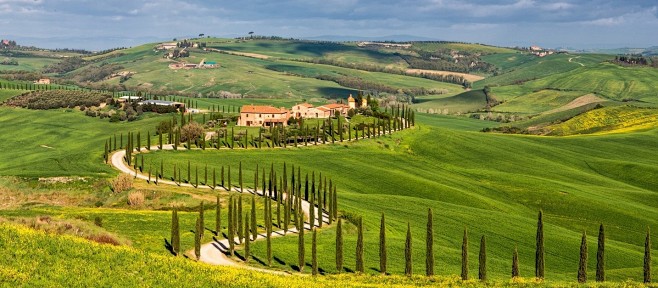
464,175
607,120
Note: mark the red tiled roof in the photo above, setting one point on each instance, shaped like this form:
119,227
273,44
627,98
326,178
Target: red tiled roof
262,109
334,106
307,105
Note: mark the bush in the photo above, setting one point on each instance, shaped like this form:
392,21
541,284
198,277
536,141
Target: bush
136,198
122,183
53,99
191,131
98,221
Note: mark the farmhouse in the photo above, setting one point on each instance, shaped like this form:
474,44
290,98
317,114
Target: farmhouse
252,115
306,110
167,46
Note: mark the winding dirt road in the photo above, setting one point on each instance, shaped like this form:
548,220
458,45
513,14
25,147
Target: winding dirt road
216,252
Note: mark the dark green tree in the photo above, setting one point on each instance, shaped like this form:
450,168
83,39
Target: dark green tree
314,253
300,246
515,263
539,251
247,252
600,256
382,245
175,233
239,222
408,263
429,253
360,265
197,239
482,268
231,228
201,219
218,217
647,257
254,226
465,255
582,263
339,246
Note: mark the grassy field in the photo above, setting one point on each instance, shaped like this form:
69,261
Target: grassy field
450,103
520,69
505,179
474,48
538,102
608,80
608,120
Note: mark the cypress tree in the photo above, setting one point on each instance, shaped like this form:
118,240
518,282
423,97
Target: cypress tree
189,172
222,176
218,217
247,253
465,256
197,239
647,257
429,256
382,246
539,252
254,226
240,177
175,233
600,256
300,246
582,263
214,178
228,175
408,264
311,213
201,218
482,268
515,263
239,220
231,230
339,246
196,176
314,253
359,247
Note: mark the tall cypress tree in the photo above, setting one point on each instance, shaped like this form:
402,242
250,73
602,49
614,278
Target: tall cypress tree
239,221
482,268
311,213
360,265
231,230
300,246
254,226
408,264
240,178
218,217
465,255
382,245
314,253
515,263
197,239
175,233
600,256
201,219
339,246
268,234
539,251
647,257
429,256
247,252
228,175
582,263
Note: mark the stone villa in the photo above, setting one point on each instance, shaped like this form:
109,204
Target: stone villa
253,115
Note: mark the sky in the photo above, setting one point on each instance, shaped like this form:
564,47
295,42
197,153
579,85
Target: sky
100,24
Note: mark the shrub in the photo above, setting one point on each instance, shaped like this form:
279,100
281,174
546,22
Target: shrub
122,183
98,221
191,131
136,198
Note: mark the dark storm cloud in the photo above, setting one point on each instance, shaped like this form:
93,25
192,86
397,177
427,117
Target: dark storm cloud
103,24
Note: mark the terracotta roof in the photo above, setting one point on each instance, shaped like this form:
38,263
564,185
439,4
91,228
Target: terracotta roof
307,105
334,106
262,109
322,108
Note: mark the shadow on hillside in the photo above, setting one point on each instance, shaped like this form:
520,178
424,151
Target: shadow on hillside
336,93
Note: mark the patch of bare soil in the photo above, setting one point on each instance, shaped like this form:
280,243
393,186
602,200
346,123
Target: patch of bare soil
468,77
580,101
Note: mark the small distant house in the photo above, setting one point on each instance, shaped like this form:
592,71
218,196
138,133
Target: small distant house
162,103
535,48
167,46
253,115
44,81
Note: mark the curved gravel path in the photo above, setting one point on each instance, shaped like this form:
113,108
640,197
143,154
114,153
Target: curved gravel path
216,251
